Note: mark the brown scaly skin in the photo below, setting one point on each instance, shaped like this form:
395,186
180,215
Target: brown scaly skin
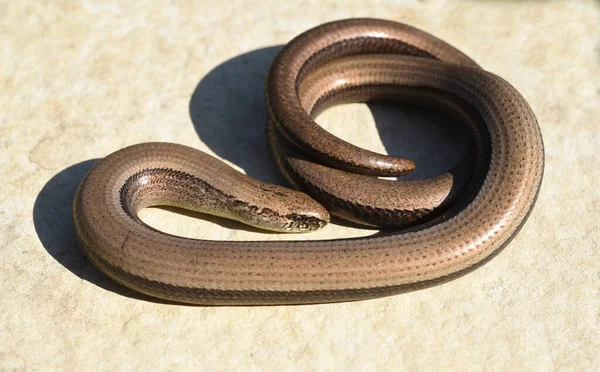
352,60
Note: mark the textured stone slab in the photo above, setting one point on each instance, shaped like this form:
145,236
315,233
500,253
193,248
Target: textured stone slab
82,79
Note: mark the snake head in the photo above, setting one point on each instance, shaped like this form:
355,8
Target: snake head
279,209
285,210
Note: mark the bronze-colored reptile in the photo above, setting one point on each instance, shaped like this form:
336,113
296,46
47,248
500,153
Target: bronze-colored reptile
455,225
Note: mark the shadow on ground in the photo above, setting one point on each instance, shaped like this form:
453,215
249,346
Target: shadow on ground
228,111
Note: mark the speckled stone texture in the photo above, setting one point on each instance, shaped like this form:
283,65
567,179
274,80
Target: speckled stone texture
81,79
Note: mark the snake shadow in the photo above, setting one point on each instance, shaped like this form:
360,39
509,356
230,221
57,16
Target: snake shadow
229,115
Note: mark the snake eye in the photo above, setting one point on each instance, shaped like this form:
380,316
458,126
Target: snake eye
298,218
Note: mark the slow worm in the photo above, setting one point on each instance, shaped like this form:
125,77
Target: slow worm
455,225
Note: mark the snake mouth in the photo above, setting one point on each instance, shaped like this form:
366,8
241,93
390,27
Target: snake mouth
304,223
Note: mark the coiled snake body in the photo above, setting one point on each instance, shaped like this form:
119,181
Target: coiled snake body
455,225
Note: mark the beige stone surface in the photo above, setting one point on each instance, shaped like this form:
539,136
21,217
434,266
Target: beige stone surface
80,79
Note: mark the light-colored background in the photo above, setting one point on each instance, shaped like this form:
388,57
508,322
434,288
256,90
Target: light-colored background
80,79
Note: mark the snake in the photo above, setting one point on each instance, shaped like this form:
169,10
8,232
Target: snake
432,230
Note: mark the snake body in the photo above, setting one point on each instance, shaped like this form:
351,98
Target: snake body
464,223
